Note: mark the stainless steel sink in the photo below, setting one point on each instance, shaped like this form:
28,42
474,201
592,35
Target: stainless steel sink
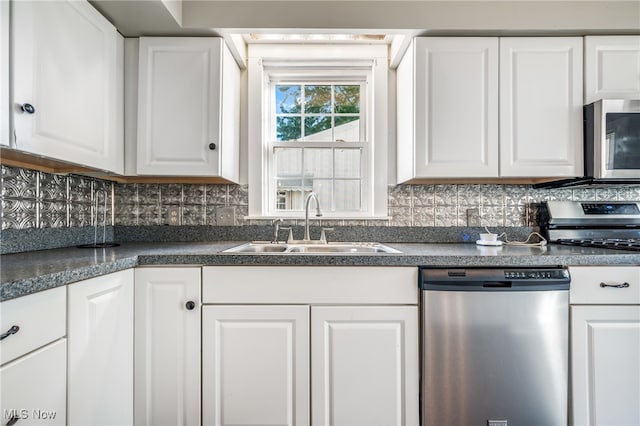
339,248
257,247
302,248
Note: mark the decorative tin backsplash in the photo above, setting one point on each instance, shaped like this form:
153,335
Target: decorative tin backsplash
32,199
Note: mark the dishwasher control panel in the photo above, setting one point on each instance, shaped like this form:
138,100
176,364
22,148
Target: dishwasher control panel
494,279
536,274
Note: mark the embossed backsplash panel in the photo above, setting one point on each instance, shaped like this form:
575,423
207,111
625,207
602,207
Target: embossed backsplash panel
32,199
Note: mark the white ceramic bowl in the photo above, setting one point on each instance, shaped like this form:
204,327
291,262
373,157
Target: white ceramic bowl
489,237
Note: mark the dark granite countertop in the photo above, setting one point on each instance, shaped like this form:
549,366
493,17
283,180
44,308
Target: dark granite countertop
30,272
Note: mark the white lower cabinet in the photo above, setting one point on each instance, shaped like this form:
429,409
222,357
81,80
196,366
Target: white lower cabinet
33,382
255,365
364,368
323,359
34,387
167,346
100,343
605,346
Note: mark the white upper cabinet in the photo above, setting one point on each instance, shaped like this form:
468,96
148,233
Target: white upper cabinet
473,107
4,73
68,83
611,67
541,106
448,108
188,108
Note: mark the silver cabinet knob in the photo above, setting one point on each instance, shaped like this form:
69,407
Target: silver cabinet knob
28,108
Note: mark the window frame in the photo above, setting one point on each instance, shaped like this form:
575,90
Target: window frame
269,65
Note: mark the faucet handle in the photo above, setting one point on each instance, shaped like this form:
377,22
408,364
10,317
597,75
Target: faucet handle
276,229
323,234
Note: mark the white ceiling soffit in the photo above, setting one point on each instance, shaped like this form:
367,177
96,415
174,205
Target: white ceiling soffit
462,17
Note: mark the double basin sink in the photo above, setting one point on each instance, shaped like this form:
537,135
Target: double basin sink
311,248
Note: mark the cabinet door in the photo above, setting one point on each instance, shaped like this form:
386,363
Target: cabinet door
179,96
541,106
167,346
34,387
612,68
605,368
456,107
364,368
100,342
68,66
255,364
4,73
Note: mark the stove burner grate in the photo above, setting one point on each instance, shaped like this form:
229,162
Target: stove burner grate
631,244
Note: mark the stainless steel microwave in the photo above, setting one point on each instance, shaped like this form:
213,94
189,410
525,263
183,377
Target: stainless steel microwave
612,139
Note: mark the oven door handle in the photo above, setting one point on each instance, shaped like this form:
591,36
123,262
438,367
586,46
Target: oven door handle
623,285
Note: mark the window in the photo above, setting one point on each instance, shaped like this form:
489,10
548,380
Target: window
320,131
317,143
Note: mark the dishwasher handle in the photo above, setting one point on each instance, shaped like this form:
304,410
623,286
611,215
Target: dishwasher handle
489,286
497,284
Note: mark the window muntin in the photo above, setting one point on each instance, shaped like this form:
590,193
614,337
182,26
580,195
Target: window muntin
317,144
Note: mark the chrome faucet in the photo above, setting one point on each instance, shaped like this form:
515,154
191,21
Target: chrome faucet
306,213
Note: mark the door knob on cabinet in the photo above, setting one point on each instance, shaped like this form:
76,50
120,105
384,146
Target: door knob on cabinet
190,305
212,146
28,108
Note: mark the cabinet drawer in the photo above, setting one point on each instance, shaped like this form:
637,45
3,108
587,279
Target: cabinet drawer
310,284
41,318
598,285
33,387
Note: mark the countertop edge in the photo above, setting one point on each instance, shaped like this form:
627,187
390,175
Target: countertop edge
30,271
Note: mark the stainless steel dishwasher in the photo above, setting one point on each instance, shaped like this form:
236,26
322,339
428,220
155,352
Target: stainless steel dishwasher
494,346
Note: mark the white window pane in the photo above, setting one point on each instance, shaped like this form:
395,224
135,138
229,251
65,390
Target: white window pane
347,195
289,195
288,162
318,163
347,129
347,163
322,187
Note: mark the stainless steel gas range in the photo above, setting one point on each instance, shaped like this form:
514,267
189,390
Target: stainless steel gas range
604,224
